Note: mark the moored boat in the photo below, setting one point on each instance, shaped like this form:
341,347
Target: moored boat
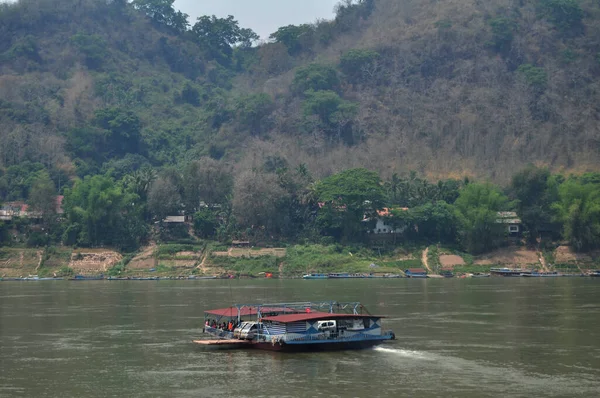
295,327
315,276
595,274
87,278
346,275
416,273
541,274
508,271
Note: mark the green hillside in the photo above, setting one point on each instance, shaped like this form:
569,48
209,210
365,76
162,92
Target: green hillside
134,112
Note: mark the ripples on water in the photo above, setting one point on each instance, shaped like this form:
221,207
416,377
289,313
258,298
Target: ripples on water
456,338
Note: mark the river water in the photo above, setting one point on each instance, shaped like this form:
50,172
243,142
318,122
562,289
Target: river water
493,337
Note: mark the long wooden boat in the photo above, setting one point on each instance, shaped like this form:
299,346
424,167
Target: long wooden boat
509,272
315,276
295,327
553,274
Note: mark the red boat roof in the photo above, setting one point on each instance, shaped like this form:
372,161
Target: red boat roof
313,316
233,311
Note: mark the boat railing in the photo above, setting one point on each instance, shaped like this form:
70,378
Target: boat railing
225,334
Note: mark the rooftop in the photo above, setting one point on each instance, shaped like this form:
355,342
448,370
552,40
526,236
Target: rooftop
233,311
314,316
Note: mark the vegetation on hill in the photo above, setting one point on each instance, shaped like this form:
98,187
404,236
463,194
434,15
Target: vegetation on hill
135,113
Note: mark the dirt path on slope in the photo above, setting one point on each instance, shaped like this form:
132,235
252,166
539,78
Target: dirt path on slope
543,262
424,259
39,254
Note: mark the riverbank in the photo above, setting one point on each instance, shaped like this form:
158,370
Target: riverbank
209,259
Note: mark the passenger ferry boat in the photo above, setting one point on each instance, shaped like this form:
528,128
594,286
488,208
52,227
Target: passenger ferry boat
295,327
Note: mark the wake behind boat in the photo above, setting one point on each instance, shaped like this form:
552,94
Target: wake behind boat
295,327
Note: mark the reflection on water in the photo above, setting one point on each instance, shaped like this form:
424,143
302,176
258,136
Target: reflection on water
462,338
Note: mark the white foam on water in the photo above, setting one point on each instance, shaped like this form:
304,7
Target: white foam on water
407,353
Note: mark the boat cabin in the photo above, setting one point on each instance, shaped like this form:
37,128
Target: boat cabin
325,325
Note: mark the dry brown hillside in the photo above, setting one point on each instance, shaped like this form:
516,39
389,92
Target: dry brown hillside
442,99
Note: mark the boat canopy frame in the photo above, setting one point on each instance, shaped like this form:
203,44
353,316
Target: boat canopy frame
260,310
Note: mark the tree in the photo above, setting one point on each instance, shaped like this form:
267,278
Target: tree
206,180
431,222
205,223
219,35
164,198
534,200
316,77
335,116
566,15
348,12
502,33
293,37
258,201
477,209
253,111
358,64
163,13
535,76
140,181
42,196
347,198
124,128
101,212
92,47
16,183
579,211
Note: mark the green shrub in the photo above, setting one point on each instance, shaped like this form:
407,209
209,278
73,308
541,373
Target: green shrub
316,77
92,47
534,76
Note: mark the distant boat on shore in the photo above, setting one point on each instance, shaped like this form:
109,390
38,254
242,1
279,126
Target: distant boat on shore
315,276
87,278
508,271
541,274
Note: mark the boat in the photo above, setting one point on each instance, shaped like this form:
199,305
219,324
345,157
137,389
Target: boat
508,271
295,327
315,276
87,278
480,275
536,274
416,273
346,275
595,274
386,276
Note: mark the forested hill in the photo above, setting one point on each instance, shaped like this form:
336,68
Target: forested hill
451,88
